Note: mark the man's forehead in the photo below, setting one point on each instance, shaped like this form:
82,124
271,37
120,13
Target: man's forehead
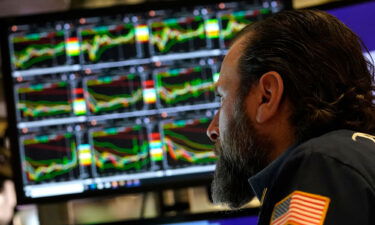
235,51
229,67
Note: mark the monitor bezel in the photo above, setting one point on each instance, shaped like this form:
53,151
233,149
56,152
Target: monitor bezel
186,218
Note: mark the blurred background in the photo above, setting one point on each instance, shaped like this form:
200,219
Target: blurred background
23,7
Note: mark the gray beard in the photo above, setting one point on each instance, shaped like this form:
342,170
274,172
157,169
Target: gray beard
242,153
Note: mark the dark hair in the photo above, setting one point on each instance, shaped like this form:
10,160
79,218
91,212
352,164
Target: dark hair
326,78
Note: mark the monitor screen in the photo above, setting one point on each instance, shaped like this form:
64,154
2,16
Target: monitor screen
119,98
361,19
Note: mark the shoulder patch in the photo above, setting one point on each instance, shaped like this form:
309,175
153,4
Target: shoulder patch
363,135
300,208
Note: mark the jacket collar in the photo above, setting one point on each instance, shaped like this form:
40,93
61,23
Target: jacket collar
264,179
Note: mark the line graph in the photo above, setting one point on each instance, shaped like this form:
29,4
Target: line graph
185,85
110,93
50,157
44,100
108,43
185,142
120,149
233,22
178,35
38,50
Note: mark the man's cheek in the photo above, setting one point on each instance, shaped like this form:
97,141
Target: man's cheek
224,122
216,149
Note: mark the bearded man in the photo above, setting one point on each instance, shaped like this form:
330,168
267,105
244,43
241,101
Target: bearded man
296,122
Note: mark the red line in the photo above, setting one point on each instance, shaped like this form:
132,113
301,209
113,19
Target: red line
120,136
307,221
51,92
119,84
307,196
118,28
44,40
51,35
112,151
115,85
305,205
306,209
49,147
318,215
307,201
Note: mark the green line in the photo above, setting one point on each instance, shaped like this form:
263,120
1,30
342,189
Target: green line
43,102
137,165
109,97
34,37
187,35
135,147
70,164
190,143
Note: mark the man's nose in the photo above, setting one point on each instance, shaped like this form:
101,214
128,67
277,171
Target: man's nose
213,128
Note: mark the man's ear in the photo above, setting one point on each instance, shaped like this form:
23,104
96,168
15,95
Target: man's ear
270,91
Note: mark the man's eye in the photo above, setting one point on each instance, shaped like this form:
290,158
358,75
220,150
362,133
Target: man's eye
220,99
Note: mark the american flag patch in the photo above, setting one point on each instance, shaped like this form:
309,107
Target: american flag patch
300,208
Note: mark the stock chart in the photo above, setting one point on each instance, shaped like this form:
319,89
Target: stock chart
39,50
50,157
233,22
110,93
185,86
185,142
44,100
178,35
108,43
122,149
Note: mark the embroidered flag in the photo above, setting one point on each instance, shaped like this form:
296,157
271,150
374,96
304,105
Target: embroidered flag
300,208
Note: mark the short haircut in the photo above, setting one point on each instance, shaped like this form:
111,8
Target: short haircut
327,80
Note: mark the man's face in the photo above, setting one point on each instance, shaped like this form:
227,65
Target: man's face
241,150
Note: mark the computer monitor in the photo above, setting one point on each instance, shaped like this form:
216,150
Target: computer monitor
359,17
118,99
